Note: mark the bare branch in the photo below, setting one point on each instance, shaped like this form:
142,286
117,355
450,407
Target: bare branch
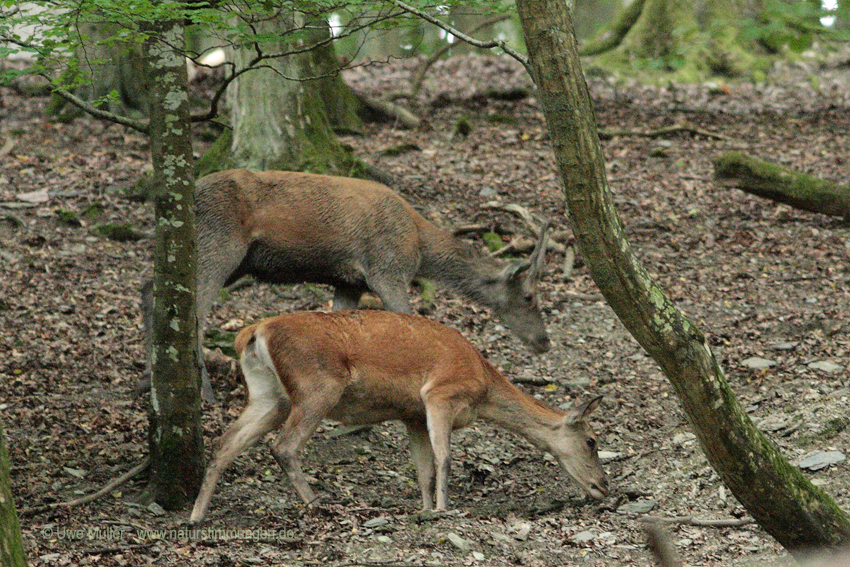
97,113
462,36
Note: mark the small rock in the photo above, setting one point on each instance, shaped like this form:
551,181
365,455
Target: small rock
758,363
376,522
821,459
684,439
784,346
384,539
156,509
39,196
521,530
824,365
488,192
583,537
478,556
638,507
460,543
605,456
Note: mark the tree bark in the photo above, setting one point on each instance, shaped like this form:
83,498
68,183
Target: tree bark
771,181
278,112
12,552
778,495
649,34
176,441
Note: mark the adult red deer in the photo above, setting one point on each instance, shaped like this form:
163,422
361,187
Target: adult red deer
356,235
365,367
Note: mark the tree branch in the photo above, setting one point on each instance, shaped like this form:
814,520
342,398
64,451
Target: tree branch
97,113
462,36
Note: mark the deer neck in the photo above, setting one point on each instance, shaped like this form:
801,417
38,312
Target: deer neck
521,413
456,264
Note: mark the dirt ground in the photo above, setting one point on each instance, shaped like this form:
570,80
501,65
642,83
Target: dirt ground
761,279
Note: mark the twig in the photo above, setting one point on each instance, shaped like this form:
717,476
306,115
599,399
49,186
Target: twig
478,228
110,486
419,72
119,549
462,36
608,133
691,521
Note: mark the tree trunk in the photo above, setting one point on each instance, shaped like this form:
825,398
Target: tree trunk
109,65
12,552
764,179
340,103
278,113
650,33
176,441
778,495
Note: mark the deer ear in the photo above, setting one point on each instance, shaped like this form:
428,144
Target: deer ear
580,412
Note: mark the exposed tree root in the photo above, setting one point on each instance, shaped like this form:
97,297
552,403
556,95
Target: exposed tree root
390,110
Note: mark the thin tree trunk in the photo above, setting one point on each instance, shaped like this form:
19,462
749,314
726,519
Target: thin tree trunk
176,441
12,552
779,496
771,181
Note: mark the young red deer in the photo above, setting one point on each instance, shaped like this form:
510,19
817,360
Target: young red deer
364,367
356,235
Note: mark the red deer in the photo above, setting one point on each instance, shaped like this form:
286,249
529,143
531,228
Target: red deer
356,235
366,367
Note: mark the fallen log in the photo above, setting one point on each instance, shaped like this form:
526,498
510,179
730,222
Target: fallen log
771,181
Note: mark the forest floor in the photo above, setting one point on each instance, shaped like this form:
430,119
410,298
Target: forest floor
760,279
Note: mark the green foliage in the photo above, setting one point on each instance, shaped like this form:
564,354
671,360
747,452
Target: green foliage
786,25
493,241
68,218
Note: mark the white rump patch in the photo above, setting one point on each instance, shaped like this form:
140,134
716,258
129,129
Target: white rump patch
264,386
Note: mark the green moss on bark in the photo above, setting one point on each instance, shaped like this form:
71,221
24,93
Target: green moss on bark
12,553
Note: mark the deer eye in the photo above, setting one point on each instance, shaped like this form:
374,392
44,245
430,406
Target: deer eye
591,443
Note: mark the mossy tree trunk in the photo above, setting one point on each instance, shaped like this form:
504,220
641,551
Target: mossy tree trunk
278,111
12,552
771,181
779,496
692,39
176,441
340,104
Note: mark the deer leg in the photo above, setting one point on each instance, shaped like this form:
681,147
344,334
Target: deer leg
346,298
304,418
258,418
440,419
392,293
423,459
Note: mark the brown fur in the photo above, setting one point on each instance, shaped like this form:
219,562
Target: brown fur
363,367
356,235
